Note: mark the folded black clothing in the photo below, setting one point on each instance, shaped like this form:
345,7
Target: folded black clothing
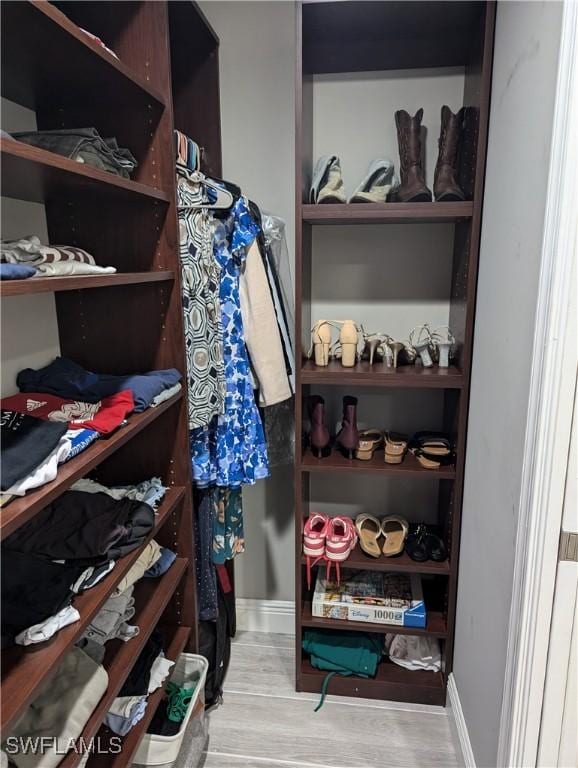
33,589
137,682
161,725
81,525
26,442
65,378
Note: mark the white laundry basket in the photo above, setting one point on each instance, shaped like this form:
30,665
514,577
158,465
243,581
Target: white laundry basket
158,750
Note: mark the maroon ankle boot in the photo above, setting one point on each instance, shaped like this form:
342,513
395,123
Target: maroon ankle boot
319,435
348,437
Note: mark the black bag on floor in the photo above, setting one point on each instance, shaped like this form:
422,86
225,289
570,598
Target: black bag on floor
215,640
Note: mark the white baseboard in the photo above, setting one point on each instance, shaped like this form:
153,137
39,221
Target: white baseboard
459,724
277,616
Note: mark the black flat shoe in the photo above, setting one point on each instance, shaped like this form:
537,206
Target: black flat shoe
423,545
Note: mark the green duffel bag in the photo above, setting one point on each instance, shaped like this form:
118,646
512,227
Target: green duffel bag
343,653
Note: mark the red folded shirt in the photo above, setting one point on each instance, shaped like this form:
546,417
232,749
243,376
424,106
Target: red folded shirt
104,416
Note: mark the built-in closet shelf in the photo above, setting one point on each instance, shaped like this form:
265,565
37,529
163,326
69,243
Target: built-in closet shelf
176,639
410,467
24,669
37,176
23,509
387,213
391,683
81,282
59,58
358,560
378,375
151,598
436,624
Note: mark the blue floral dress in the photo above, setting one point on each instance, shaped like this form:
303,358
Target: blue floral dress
231,450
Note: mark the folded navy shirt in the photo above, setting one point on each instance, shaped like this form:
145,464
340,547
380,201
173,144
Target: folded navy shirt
26,442
67,379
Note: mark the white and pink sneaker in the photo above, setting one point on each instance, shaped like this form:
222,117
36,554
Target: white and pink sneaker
314,534
340,540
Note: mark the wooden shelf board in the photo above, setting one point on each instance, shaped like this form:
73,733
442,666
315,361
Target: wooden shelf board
24,669
436,624
81,282
409,467
176,641
392,682
35,175
19,511
386,213
151,598
402,563
378,375
31,73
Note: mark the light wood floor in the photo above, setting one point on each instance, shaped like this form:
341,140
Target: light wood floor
264,723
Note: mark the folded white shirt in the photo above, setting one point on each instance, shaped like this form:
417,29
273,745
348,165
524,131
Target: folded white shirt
65,268
44,472
43,631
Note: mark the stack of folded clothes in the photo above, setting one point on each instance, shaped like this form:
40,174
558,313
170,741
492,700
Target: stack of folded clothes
28,257
70,546
61,410
84,145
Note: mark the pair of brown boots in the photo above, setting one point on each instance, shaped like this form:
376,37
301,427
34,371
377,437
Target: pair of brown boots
413,188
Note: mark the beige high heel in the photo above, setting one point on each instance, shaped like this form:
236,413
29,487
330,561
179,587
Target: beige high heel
320,342
396,347
348,340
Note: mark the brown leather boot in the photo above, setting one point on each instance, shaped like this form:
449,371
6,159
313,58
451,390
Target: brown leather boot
319,436
413,188
348,437
446,187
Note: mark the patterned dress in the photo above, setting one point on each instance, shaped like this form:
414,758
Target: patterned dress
201,275
231,450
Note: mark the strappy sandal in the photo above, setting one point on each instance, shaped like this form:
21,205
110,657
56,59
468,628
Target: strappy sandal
420,339
423,545
369,530
369,441
395,447
429,460
395,530
444,342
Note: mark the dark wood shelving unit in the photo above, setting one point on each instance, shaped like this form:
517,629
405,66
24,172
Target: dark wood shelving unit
151,598
379,375
27,668
37,176
351,38
22,510
387,213
401,563
410,467
166,76
81,282
436,624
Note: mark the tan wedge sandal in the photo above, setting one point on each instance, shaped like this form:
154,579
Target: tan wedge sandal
348,340
395,447
395,530
369,530
369,441
320,342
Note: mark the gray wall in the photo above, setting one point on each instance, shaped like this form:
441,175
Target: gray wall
524,80
258,128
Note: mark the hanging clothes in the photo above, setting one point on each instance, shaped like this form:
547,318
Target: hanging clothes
201,277
231,450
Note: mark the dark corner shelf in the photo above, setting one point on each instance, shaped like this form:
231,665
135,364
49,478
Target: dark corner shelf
19,511
436,624
37,176
378,375
383,213
358,560
391,683
176,639
24,669
32,73
410,467
81,282
151,598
